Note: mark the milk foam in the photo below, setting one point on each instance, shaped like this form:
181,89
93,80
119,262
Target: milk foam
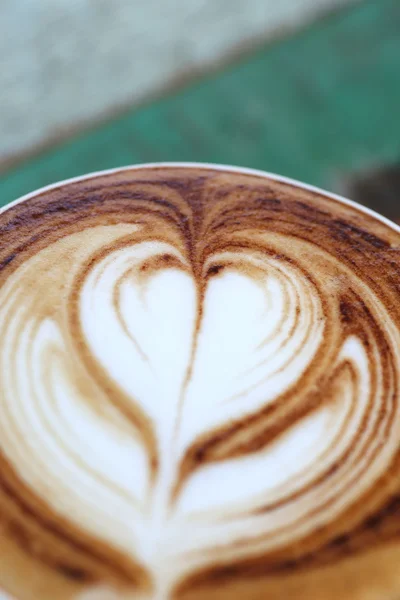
192,413
190,362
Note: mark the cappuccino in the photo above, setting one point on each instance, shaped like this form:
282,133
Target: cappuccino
199,391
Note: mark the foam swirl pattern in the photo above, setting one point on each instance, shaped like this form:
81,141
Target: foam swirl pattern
199,392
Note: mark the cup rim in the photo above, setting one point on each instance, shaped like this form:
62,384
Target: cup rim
207,166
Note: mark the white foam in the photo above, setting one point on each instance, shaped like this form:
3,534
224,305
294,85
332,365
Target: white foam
190,366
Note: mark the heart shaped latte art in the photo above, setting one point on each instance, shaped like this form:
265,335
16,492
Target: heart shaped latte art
199,390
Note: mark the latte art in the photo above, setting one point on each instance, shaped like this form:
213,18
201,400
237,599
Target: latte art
199,391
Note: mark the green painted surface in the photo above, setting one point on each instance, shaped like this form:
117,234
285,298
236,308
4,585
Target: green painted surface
320,104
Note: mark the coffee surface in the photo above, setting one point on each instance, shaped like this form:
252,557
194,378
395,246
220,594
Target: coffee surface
199,391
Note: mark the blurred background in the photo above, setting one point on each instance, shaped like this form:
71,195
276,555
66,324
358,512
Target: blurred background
305,88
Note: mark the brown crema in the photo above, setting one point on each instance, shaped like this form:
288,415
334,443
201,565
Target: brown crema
331,529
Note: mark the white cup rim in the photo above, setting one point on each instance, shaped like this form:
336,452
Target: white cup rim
208,166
